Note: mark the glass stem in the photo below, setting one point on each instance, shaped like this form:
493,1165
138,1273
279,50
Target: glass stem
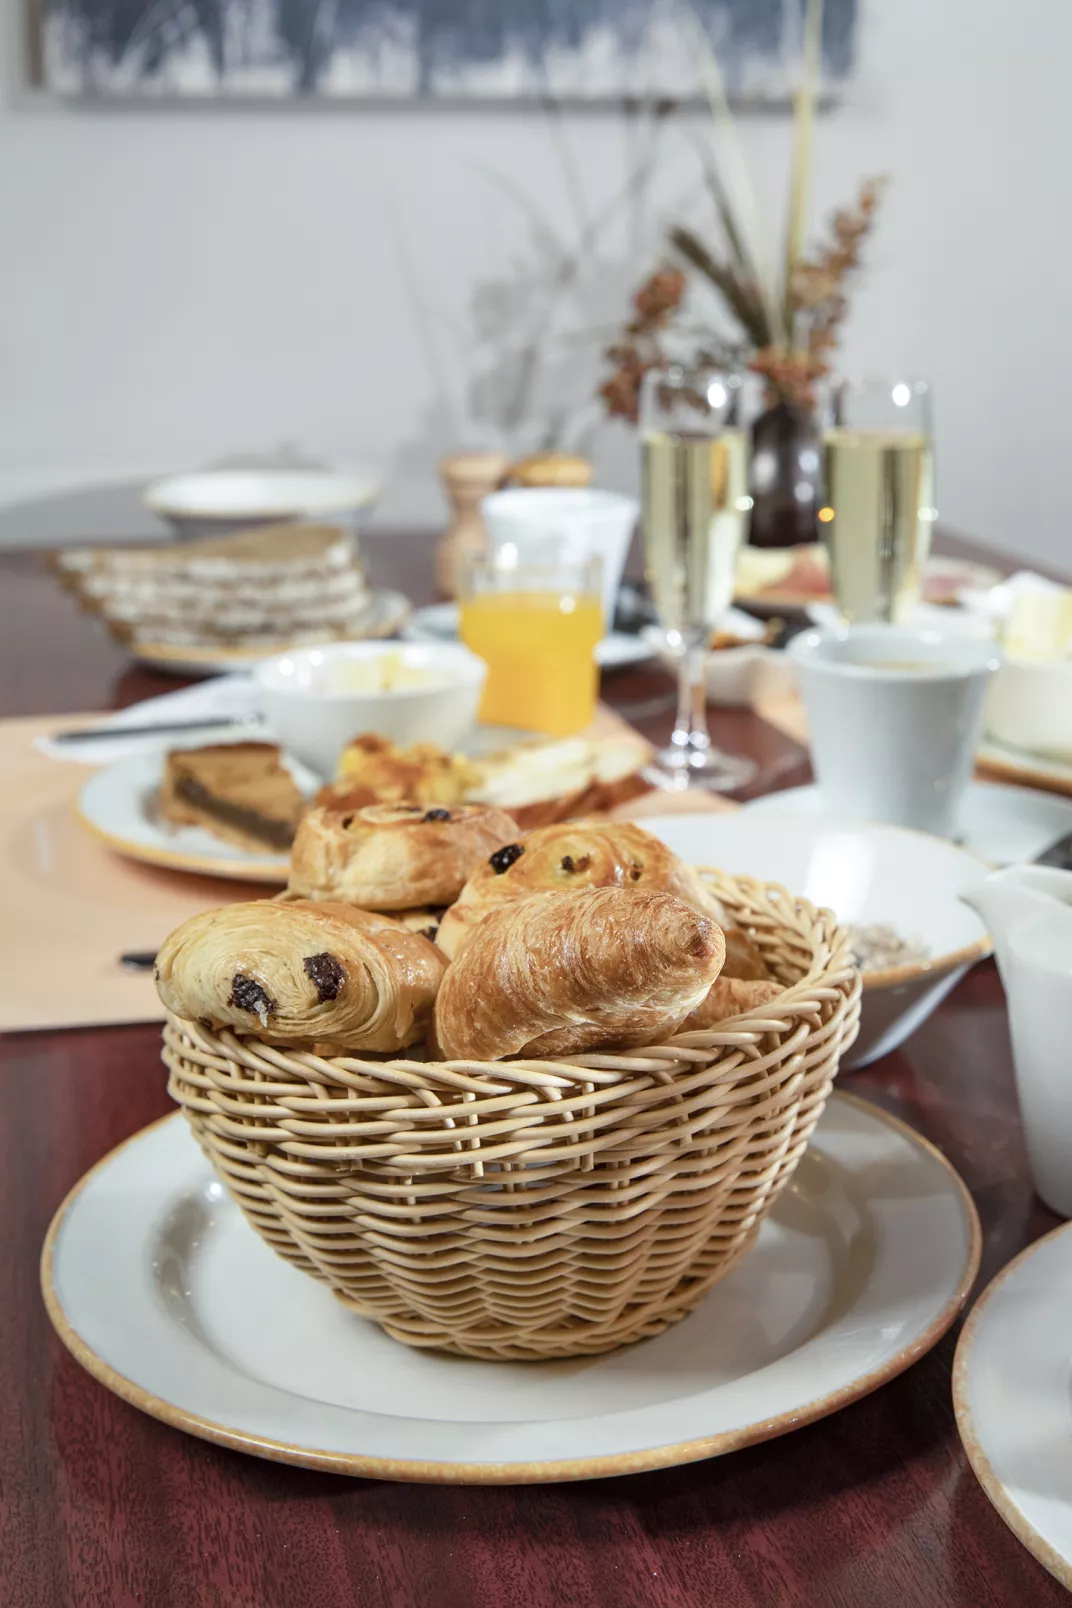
690,726
699,736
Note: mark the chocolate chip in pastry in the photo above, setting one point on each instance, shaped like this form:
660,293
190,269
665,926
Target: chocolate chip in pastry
558,973
568,857
394,856
302,974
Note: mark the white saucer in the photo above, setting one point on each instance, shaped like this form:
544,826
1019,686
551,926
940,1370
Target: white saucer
439,623
1001,824
160,1288
1011,1395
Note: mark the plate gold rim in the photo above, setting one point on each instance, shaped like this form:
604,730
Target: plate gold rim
524,1473
1018,1522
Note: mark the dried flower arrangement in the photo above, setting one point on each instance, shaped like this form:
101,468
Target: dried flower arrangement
789,326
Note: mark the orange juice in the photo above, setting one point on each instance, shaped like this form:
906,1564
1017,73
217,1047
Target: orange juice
539,648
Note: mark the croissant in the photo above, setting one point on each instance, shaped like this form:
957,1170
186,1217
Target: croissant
302,974
394,856
573,855
730,996
744,958
561,972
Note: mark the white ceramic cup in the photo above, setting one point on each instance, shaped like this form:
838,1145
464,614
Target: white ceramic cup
894,717
580,523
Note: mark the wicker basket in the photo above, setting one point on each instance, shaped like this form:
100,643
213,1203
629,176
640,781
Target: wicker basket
529,1209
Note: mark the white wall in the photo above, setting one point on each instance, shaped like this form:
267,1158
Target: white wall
184,283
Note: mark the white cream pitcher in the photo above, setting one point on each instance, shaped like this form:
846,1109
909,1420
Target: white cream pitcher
1028,910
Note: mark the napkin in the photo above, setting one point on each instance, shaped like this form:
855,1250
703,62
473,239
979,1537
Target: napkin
224,697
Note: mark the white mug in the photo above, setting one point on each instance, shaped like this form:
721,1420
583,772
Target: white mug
894,717
585,523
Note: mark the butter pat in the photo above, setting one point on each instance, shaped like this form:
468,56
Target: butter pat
388,673
1039,625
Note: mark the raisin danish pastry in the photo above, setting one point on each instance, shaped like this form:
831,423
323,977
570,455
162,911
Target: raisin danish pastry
302,974
557,973
567,857
394,856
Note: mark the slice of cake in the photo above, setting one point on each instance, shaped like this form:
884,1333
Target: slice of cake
240,792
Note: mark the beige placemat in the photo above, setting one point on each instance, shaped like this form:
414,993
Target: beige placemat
69,906
786,713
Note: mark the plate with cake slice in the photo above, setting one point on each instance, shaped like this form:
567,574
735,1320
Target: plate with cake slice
229,810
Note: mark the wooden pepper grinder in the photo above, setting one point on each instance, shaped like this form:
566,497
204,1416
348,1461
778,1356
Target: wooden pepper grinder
467,478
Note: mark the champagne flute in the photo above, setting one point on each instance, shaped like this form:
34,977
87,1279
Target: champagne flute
879,510
695,514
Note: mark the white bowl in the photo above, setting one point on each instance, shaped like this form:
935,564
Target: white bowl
1029,706
596,522
213,502
866,874
314,722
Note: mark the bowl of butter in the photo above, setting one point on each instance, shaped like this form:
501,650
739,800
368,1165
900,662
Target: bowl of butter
317,699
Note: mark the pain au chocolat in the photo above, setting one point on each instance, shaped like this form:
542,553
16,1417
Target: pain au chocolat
302,974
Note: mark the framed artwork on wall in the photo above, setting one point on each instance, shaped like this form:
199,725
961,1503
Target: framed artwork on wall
493,51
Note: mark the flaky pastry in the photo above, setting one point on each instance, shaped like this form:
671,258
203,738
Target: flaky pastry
568,857
394,856
302,974
558,973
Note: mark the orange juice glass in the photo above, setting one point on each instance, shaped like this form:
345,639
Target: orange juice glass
536,627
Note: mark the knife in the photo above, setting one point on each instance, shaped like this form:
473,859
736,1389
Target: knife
138,959
222,722
1058,854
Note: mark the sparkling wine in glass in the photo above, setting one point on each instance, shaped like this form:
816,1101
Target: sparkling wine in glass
695,514
879,511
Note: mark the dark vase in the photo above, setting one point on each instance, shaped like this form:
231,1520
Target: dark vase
786,477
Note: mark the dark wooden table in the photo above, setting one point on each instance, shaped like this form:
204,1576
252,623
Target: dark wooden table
101,1507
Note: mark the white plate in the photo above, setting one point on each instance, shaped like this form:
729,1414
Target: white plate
118,805
439,623
388,613
1003,825
946,581
252,495
160,1288
867,874
1011,1395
